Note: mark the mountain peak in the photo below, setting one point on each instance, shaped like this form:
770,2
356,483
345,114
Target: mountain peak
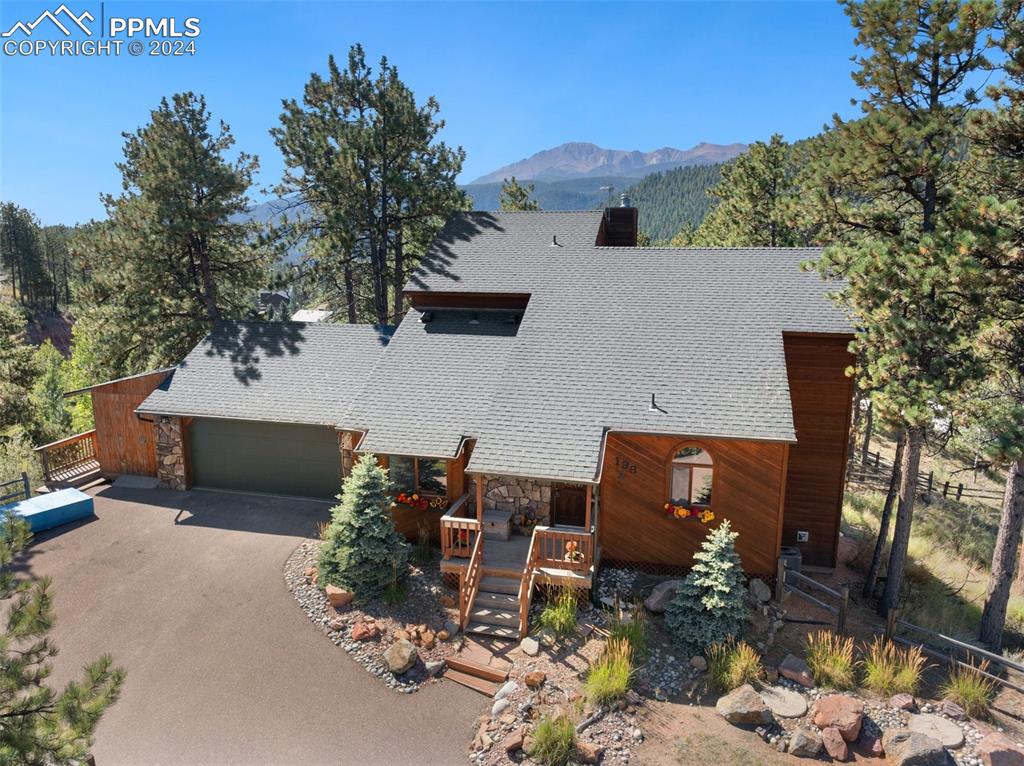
582,159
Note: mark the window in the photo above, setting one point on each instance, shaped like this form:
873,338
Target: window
418,474
692,473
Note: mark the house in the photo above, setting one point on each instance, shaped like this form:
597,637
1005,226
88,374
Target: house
554,398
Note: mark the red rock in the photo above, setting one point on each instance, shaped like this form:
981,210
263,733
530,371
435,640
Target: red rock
363,631
869,745
310,572
447,602
428,638
953,710
997,749
338,596
795,669
402,635
903,702
534,679
587,752
443,635
513,742
834,744
838,710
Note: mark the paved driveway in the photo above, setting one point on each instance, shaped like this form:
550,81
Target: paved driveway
186,591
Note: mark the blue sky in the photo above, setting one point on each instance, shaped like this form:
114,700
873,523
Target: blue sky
511,78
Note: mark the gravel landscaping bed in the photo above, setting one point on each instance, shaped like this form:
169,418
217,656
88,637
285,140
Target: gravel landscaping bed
421,608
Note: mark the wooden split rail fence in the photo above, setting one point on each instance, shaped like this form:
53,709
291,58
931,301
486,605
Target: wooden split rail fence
788,580
952,651
874,471
15,490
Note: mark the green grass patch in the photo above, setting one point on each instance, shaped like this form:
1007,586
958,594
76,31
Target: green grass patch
559,614
610,677
553,741
732,664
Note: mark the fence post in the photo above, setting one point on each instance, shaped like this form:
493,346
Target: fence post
959,491
945,488
878,456
891,619
780,581
843,604
931,478
25,486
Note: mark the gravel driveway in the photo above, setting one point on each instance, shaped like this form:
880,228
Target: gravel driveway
186,591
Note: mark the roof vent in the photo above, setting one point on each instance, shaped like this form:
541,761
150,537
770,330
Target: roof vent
654,405
554,241
625,201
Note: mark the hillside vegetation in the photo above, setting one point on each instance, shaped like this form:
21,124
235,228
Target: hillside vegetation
669,201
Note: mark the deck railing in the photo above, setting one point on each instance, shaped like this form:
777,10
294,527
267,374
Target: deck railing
14,490
65,458
526,582
459,531
469,581
562,548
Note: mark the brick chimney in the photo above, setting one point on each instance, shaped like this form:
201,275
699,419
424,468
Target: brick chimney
619,225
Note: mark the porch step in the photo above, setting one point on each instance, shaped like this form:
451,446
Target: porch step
497,600
497,631
497,525
471,668
496,585
489,616
475,683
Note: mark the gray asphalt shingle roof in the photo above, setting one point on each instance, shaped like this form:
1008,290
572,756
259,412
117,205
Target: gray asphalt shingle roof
605,328
289,372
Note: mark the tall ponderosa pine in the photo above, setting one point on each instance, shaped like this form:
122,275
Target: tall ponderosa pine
363,159
18,370
174,256
997,218
513,196
41,725
710,606
890,178
23,255
361,549
757,198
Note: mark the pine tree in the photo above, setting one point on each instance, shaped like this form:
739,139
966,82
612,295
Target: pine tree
361,546
710,606
174,255
889,180
41,725
514,196
18,370
52,419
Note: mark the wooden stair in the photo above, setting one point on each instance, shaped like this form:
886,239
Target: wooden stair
477,673
495,610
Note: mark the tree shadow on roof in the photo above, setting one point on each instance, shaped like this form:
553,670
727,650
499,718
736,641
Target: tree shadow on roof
246,344
441,256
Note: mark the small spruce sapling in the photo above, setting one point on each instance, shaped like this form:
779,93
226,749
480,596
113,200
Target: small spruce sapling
361,551
710,607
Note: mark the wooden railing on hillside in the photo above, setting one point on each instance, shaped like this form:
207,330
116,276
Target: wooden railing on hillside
13,491
459,531
66,458
874,471
469,581
787,581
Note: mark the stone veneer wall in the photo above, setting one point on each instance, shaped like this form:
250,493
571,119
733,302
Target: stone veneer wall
526,499
170,454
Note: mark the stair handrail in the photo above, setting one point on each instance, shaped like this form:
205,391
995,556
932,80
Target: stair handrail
526,582
469,581
452,522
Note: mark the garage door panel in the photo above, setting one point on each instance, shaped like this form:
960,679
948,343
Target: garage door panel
278,458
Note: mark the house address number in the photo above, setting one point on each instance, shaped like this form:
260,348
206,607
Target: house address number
624,466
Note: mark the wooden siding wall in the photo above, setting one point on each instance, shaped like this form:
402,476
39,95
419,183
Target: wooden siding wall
124,442
822,397
748,490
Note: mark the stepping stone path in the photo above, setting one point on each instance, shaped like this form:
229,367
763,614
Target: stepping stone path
937,727
784,702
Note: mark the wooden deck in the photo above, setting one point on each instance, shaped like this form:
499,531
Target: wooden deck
507,558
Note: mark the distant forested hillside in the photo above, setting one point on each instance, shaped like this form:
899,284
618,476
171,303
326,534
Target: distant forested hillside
565,194
668,201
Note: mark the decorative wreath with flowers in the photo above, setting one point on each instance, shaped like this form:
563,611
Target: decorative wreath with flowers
673,511
420,503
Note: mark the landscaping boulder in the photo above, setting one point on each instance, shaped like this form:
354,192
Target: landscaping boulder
937,727
338,597
844,713
513,743
834,744
443,635
744,707
506,689
903,702
365,631
435,667
428,638
997,749
588,752
698,663
759,591
529,646
499,707
795,669
953,710
400,656
869,744
784,702
535,679
805,743
904,747
661,594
